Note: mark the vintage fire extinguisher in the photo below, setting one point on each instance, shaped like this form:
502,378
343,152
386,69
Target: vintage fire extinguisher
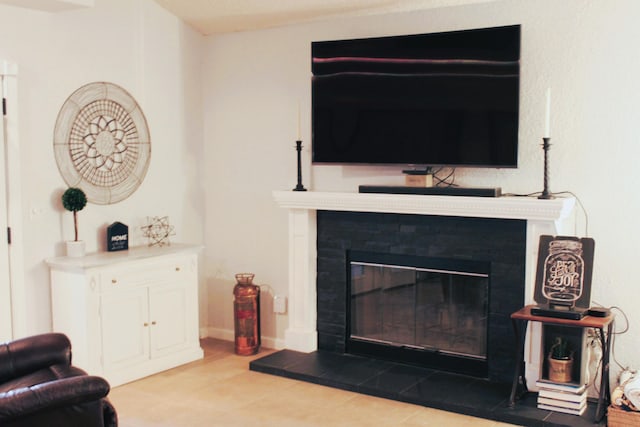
246,311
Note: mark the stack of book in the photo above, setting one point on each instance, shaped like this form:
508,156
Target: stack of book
560,397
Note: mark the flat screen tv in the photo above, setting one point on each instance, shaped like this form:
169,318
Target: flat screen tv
439,99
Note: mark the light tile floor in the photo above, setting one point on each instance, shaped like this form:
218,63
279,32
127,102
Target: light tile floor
221,391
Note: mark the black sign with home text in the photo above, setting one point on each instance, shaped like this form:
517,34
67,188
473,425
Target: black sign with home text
117,237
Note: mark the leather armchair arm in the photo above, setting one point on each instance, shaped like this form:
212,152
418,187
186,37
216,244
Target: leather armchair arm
30,354
51,395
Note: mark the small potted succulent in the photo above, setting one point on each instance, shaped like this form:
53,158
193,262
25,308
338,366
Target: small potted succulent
74,200
560,360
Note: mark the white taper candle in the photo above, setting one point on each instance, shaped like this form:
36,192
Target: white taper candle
298,134
547,117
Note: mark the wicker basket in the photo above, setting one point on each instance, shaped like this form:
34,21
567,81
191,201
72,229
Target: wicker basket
617,417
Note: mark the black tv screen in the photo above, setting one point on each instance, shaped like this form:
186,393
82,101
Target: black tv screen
439,99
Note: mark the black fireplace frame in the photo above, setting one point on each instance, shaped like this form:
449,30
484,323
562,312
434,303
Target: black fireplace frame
406,354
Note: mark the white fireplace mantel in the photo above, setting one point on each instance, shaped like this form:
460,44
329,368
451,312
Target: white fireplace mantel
526,208
554,216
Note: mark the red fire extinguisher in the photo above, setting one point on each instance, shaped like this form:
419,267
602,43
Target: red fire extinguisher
246,311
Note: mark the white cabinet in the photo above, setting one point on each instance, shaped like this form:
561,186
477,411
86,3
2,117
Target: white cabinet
128,314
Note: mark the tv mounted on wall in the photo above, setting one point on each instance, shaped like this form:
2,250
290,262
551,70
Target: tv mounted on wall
439,99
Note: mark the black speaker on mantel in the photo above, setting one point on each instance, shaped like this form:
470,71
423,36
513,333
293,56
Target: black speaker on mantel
433,191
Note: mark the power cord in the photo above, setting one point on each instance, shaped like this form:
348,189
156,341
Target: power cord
584,211
446,181
596,345
615,333
560,193
595,359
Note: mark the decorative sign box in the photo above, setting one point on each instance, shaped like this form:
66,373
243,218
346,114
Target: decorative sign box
117,237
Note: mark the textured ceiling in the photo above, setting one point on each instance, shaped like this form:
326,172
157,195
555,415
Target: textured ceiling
221,16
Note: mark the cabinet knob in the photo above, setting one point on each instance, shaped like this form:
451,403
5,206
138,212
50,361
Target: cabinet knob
146,324
114,281
177,268
153,323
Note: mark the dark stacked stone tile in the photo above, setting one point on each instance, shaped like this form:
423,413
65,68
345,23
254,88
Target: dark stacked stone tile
500,243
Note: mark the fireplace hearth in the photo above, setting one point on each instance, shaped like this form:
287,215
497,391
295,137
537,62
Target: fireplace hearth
420,386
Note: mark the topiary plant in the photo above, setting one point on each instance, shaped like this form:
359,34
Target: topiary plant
74,200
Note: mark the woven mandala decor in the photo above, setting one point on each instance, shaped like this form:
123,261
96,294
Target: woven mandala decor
101,142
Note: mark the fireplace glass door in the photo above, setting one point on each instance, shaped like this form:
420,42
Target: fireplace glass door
419,308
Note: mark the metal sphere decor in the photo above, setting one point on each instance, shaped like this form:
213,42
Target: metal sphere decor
101,142
158,231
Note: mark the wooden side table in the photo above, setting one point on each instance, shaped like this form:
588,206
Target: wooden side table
519,320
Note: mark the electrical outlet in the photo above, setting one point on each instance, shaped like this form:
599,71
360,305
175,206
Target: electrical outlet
279,304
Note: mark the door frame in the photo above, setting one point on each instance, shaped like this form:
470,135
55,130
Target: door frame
12,261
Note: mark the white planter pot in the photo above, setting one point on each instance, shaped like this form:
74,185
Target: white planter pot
75,249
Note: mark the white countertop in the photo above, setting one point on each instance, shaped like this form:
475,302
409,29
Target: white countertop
98,259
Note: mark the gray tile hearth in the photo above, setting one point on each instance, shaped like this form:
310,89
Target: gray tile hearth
430,388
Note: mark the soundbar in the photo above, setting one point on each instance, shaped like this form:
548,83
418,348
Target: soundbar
432,191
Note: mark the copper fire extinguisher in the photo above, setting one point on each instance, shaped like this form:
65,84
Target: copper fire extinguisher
246,311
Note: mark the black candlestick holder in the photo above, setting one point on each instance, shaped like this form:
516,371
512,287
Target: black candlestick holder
546,144
299,187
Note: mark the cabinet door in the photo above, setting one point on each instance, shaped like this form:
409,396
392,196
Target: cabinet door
169,305
125,329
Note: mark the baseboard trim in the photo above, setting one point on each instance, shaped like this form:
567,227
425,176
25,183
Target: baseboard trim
229,335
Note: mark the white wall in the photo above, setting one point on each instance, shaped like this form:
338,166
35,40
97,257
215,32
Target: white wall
139,46
585,51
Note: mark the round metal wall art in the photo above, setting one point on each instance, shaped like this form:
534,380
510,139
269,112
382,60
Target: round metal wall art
101,142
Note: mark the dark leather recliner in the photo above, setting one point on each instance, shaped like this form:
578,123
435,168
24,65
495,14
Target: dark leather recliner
39,387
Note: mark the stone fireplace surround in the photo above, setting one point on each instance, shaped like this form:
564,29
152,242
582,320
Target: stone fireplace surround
541,217
499,243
